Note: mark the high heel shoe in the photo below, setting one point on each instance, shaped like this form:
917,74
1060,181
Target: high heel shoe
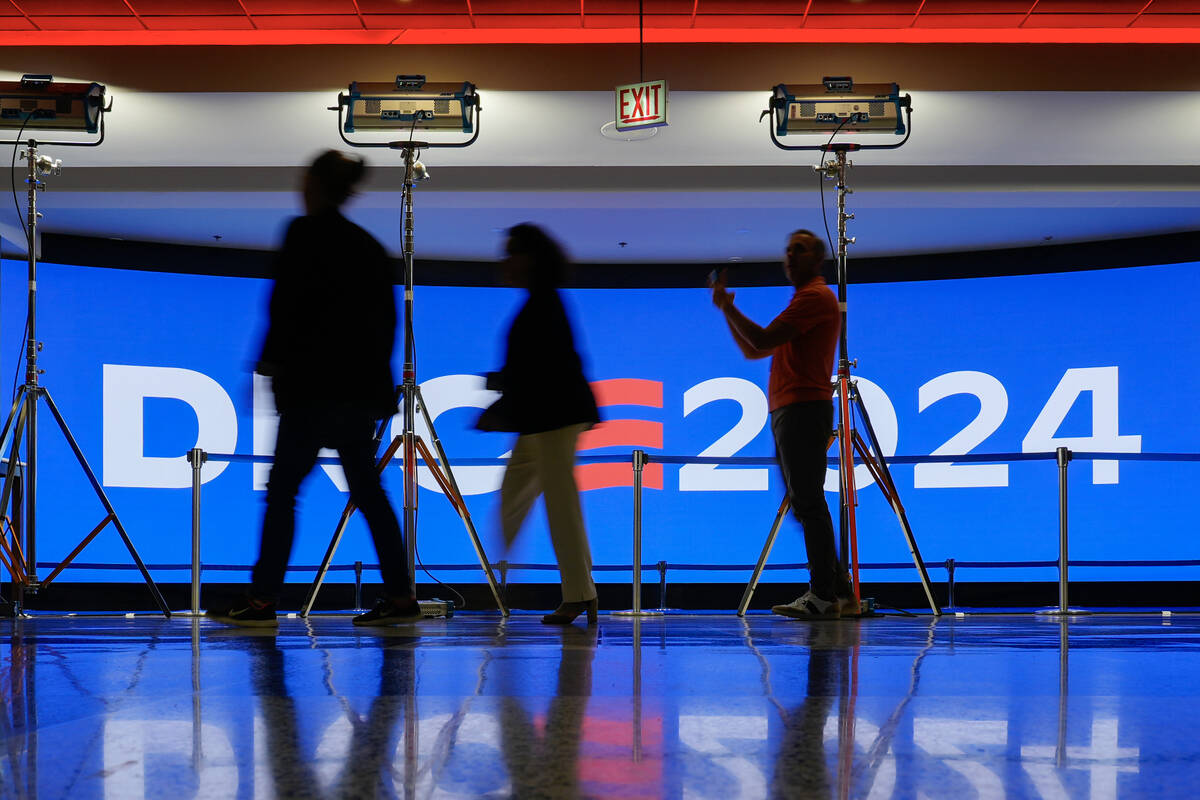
566,613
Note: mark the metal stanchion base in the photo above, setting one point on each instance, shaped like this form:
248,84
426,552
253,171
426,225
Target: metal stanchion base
638,613
1059,612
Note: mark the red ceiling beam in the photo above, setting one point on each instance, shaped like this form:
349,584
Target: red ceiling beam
917,14
249,17
1028,14
1139,14
21,11
136,16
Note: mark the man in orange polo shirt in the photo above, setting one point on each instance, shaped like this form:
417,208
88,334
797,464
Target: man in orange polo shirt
802,342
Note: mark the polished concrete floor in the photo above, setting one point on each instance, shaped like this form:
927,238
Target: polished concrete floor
694,706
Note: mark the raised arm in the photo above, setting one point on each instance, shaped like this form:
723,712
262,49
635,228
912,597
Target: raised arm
752,339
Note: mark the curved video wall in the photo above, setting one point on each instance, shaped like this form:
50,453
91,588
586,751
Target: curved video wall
145,366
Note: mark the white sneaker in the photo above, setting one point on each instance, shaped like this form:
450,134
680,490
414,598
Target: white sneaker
809,606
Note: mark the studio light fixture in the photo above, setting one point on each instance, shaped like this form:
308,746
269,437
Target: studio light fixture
837,104
410,104
36,102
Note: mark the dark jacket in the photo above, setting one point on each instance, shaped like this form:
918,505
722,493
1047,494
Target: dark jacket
542,379
332,324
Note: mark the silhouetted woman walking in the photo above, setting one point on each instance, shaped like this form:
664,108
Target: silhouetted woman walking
547,401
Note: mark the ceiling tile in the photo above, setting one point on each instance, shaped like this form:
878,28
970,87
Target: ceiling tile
509,7
80,23
988,21
413,7
626,7
1168,21
417,21
299,7
83,8
1089,7
308,22
547,21
864,7
208,22
192,8
859,21
1078,20
981,7
1174,7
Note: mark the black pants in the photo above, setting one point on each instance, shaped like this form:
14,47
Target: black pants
801,440
301,436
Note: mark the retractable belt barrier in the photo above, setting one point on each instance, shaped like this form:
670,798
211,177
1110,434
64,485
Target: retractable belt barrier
638,460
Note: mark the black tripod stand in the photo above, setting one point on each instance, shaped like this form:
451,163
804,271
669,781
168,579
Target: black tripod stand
850,404
411,402
23,420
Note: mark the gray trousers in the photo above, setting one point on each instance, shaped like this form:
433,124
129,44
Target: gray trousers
544,464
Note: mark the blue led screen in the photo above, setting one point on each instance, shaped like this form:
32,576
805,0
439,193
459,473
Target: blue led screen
144,365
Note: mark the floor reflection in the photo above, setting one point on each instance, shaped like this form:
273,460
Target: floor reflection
685,706
542,753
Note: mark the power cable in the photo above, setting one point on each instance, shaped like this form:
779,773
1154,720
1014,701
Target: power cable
21,219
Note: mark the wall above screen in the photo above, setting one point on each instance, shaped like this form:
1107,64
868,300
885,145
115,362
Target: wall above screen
1046,258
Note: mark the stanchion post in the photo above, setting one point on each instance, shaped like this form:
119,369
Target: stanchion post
639,464
196,457
1063,455
950,582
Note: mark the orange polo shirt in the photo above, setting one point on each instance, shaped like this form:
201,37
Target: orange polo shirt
802,368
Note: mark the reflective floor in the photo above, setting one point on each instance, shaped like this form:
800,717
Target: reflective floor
698,706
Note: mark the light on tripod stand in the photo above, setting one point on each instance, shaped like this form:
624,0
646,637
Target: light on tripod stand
407,105
831,107
37,102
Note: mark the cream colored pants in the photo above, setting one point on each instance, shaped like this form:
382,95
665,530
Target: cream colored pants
544,464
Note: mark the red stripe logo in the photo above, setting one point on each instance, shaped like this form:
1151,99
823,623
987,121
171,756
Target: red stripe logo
632,433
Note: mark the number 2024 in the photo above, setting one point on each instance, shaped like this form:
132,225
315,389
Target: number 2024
993,407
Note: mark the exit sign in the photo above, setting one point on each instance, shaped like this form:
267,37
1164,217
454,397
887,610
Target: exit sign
641,105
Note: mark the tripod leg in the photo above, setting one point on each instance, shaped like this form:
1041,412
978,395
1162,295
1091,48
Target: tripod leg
888,487
848,539
12,416
11,472
762,558
315,587
91,476
444,462
343,521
